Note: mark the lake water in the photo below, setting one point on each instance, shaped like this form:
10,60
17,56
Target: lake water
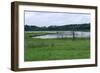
64,34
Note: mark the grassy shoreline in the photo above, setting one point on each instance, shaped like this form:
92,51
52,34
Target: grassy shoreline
55,49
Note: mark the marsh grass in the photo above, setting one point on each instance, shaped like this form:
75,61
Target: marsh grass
55,49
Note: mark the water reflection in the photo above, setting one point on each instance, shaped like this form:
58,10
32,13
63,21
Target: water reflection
65,34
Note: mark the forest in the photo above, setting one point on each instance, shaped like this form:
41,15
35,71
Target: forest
70,27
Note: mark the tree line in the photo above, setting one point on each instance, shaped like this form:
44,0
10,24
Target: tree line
70,27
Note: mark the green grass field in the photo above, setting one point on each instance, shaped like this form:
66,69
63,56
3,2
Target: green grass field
54,49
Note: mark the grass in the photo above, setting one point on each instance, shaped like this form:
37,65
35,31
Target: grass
55,49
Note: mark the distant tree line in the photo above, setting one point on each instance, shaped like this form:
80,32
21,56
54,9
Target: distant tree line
71,27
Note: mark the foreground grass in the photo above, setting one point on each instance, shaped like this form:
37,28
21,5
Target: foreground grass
55,49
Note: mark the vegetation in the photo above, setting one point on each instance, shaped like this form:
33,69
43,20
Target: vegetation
71,27
54,49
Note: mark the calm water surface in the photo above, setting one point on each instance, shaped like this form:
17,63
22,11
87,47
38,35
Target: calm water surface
64,34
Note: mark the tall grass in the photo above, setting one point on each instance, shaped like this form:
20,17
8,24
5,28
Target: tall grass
55,49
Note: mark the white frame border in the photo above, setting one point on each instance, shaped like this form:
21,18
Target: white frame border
34,64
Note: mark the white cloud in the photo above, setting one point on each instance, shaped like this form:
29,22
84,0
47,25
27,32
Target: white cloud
51,18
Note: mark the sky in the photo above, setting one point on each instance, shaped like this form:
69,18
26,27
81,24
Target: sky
54,18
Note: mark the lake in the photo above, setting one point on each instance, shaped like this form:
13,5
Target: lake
64,34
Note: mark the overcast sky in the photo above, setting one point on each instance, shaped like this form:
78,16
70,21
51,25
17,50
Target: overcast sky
53,18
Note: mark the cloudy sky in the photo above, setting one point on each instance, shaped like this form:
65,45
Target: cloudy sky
54,18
